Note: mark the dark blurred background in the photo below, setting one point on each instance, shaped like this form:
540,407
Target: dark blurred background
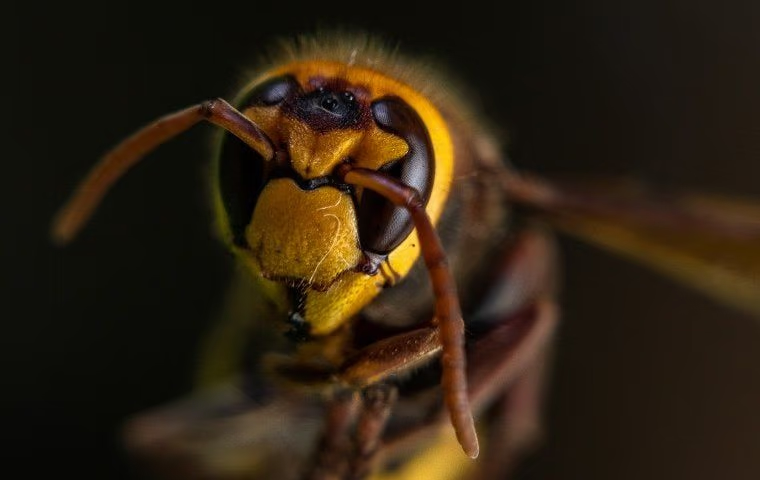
651,380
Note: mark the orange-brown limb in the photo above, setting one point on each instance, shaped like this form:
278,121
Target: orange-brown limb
514,418
447,310
390,356
377,402
129,152
513,353
331,455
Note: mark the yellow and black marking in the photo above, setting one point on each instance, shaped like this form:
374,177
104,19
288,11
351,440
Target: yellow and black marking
343,165
289,220
336,166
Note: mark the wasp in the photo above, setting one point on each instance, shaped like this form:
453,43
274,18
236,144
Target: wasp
398,275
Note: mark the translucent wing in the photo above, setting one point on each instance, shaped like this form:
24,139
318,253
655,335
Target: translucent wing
711,243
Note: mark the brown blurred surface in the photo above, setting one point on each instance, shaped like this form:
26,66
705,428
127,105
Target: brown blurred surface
651,380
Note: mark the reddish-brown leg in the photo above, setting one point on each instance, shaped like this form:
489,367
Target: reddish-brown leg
511,349
331,457
505,373
515,422
378,400
508,366
352,433
448,315
390,356
505,367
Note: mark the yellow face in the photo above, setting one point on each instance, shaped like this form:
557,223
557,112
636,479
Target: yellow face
329,247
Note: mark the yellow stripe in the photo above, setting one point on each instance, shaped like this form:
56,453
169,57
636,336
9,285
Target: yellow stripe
363,288
443,460
379,85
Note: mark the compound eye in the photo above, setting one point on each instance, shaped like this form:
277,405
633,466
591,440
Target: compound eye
272,92
241,169
382,225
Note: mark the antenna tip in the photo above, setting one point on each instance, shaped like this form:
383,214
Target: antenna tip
61,230
472,450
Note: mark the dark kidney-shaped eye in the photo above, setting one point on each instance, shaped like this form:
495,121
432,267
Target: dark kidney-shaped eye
382,225
272,92
241,169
